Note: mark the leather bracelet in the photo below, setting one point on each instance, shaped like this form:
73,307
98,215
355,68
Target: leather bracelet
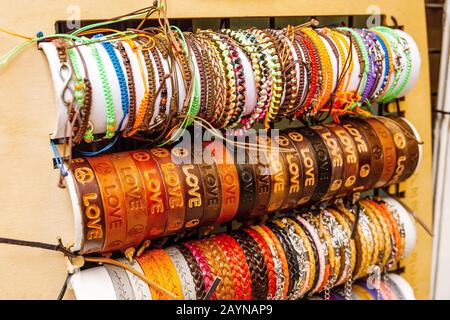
384,225
380,228
213,192
208,277
121,282
349,247
183,271
277,263
389,151
375,148
196,273
268,258
309,164
278,170
363,180
318,253
155,192
282,255
219,268
413,152
337,156
247,186
167,272
351,159
263,182
140,289
323,163
393,230
229,181
241,262
92,210
327,251
151,272
135,199
300,254
290,255
310,264
112,197
294,171
192,185
176,210
407,150
256,264
238,276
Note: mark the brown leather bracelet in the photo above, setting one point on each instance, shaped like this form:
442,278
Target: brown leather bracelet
351,161
229,181
294,171
213,192
401,146
309,164
407,148
279,174
113,203
155,192
375,150
192,184
256,264
415,149
364,155
90,202
247,183
176,209
337,160
263,182
135,198
389,151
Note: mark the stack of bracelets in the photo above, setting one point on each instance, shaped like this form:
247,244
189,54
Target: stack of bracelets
289,257
227,79
297,224
122,199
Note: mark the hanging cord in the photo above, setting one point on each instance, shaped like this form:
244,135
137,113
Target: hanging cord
80,260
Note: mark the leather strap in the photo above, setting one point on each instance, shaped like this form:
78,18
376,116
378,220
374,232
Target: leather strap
192,185
113,203
294,171
155,192
375,149
364,155
351,159
389,151
247,185
173,178
337,160
309,164
90,202
323,163
135,198
256,264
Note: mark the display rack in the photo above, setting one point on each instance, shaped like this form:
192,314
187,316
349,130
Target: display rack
33,208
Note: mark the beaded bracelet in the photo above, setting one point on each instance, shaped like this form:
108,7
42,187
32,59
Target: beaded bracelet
83,96
406,50
120,77
107,94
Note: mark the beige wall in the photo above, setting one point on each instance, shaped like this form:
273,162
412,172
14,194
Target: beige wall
33,208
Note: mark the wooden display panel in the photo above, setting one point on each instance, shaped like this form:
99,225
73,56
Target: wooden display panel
33,208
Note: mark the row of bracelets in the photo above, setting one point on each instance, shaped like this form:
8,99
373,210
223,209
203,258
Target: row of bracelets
128,197
289,73
291,257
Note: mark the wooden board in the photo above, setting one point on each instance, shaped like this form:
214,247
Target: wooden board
33,208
